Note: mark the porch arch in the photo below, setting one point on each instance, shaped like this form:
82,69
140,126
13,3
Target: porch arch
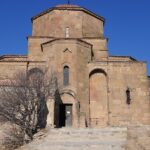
98,98
69,97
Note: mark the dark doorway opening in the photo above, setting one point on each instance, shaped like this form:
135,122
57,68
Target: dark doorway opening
62,116
65,115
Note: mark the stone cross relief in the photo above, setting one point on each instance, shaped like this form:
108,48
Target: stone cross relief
67,50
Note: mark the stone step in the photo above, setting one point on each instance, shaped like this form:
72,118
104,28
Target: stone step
82,147
87,138
85,142
80,139
86,132
97,134
94,130
100,147
79,145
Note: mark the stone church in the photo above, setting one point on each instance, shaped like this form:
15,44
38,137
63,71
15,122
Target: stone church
98,90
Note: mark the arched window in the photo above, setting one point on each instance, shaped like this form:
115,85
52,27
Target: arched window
35,76
67,32
128,95
66,75
35,73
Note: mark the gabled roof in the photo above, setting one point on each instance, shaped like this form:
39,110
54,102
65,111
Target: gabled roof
69,7
123,58
59,39
13,56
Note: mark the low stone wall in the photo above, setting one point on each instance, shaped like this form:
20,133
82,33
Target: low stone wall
10,136
138,138
4,127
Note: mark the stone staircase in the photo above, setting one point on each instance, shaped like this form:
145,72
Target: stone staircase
111,138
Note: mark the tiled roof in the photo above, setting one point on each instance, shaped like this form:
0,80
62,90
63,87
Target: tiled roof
18,58
69,39
69,7
13,56
66,5
7,82
123,58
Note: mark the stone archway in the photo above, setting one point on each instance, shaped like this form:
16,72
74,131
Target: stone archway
71,105
67,98
98,98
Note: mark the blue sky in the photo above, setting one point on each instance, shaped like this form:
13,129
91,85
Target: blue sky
127,24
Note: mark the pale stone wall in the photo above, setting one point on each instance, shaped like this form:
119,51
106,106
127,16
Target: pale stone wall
100,51
138,137
36,53
122,75
9,69
98,104
55,22
132,75
83,56
70,52
92,27
149,85
35,50
100,99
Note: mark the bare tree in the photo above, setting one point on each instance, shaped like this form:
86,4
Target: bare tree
23,100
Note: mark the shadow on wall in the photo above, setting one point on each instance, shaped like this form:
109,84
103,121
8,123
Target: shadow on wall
58,102
42,114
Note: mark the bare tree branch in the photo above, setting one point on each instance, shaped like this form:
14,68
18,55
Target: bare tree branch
23,101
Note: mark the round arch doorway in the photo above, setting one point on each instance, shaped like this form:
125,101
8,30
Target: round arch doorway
66,113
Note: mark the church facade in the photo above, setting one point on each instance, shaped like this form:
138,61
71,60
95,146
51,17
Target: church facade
98,90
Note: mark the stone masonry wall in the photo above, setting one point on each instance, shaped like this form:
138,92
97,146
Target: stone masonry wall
80,24
9,69
84,51
149,86
132,76
35,52
70,52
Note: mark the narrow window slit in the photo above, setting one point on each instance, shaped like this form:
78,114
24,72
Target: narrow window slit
66,75
67,32
128,96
